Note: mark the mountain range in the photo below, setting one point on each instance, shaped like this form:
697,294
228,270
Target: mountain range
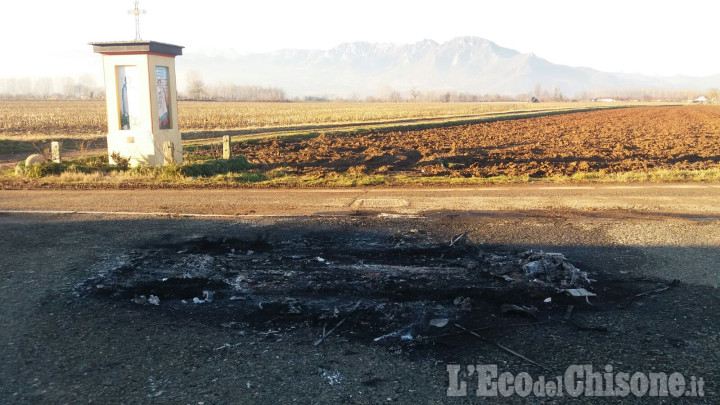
466,64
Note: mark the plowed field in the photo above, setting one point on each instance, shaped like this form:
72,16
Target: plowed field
614,141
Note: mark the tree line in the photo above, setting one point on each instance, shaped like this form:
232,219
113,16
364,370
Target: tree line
538,93
196,89
85,87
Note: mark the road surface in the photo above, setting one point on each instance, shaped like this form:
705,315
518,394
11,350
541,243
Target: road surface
692,199
59,347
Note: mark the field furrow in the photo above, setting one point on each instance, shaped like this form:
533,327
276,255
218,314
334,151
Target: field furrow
611,141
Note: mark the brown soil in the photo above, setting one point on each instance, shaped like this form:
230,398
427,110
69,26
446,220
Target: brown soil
606,141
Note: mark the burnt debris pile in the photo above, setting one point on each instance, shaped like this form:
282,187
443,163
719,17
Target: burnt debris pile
312,267
405,284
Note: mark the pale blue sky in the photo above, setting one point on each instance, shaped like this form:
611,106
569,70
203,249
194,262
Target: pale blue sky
657,37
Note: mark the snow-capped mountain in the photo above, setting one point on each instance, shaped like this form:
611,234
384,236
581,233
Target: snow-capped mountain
466,64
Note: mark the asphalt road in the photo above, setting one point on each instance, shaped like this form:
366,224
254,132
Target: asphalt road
696,199
58,347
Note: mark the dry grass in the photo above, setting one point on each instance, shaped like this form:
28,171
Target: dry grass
87,119
257,179
199,116
69,118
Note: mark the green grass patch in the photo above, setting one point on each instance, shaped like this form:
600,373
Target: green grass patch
15,146
238,172
99,164
9,146
82,165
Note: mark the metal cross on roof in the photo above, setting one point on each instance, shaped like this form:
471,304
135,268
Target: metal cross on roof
136,11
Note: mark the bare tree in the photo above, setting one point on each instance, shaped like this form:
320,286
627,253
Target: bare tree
196,86
67,86
538,91
414,93
713,95
44,87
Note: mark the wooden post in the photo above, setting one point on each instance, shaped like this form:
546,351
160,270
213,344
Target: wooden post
169,153
55,152
226,147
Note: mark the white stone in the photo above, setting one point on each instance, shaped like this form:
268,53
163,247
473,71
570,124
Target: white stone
34,159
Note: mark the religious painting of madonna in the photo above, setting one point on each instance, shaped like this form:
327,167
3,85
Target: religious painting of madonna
163,93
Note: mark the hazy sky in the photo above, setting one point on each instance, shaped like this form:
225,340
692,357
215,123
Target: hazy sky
659,37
